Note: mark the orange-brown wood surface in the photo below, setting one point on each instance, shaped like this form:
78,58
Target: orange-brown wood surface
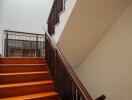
26,79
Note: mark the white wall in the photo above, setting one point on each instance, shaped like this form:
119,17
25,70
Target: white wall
87,24
1,10
108,68
2,22
25,15
1,15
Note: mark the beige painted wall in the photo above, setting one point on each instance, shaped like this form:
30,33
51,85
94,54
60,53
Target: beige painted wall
88,23
108,68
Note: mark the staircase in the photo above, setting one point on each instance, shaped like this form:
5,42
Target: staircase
26,79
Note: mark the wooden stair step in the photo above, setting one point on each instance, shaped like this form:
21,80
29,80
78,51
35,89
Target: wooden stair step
6,78
14,60
39,96
12,68
17,89
26,79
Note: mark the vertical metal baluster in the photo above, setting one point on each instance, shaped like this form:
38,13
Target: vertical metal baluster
76,94
81,98
73,97
6,44
37,46
70,89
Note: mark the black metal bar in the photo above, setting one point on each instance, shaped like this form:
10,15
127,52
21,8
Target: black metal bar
24,32
28,45
37,55
6,44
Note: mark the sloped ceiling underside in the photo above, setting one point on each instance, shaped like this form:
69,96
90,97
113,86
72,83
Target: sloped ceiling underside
89,21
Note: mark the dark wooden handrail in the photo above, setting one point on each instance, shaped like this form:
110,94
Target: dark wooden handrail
82,92
57,8
102,97
55,58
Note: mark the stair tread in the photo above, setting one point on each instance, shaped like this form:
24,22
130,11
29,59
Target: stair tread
38,95
24,73
25,84
23,58
22,64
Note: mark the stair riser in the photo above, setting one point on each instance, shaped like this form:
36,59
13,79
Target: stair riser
56,97
23,61
22,68
6,79
25,90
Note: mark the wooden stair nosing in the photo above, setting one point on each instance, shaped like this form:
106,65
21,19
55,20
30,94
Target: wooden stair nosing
32,96
11,68
25,84
21,60
11,90
6,78
24,73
